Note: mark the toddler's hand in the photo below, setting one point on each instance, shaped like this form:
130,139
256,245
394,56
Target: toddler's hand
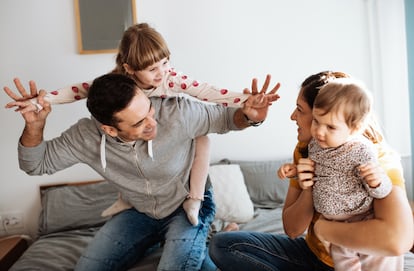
287,170
371,173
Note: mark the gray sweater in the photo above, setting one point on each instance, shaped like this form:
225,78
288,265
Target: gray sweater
155,186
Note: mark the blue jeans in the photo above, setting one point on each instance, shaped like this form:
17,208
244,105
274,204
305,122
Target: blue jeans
262,251
127,236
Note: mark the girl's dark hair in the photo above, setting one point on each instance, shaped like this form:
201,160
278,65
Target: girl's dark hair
311,86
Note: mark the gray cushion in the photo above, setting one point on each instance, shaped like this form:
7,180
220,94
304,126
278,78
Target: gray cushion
77,206
266,190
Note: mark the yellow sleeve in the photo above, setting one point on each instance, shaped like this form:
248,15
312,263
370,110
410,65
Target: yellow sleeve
390,161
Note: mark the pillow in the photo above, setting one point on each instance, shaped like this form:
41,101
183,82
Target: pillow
266,190
232,200
74,206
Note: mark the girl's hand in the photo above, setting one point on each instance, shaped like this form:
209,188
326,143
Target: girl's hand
36,116
256,106
305,171
287,170
22,103
371,173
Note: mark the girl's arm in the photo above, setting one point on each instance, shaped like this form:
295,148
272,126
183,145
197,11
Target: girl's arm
67,94
180,83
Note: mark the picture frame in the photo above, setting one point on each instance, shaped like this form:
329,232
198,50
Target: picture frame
101,23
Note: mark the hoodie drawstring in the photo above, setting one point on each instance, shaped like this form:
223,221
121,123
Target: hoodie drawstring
103,153
150,153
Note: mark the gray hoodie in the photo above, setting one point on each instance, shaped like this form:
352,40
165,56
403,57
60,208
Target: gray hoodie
152,177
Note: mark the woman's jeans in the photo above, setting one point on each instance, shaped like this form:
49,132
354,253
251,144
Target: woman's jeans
256,251
127,236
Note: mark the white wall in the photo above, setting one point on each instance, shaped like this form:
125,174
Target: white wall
226,43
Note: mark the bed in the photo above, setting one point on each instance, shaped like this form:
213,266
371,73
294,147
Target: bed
247,192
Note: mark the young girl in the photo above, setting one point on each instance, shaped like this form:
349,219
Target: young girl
338,149
144,56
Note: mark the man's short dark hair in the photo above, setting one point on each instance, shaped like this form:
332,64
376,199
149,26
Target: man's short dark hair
109,94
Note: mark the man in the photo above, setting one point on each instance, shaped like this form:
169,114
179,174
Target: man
145,147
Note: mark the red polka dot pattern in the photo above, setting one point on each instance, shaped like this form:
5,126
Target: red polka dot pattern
224,91
85,86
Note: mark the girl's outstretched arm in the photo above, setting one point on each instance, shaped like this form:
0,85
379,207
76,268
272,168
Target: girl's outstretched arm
28,102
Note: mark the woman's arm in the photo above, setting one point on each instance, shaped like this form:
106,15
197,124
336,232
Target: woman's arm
297,211
390,233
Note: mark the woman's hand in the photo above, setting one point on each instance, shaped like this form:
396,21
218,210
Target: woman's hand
287,170
316,227
305,171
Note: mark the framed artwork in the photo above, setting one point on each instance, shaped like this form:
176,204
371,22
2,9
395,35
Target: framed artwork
101,23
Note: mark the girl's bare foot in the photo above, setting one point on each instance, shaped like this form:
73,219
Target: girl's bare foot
231,227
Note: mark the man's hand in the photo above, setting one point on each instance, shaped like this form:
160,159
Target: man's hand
22,103
256,106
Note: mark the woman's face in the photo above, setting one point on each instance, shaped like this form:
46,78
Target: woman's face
302,115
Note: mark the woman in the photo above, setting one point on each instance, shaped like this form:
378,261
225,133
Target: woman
390,233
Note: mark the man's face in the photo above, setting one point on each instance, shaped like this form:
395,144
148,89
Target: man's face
137,120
